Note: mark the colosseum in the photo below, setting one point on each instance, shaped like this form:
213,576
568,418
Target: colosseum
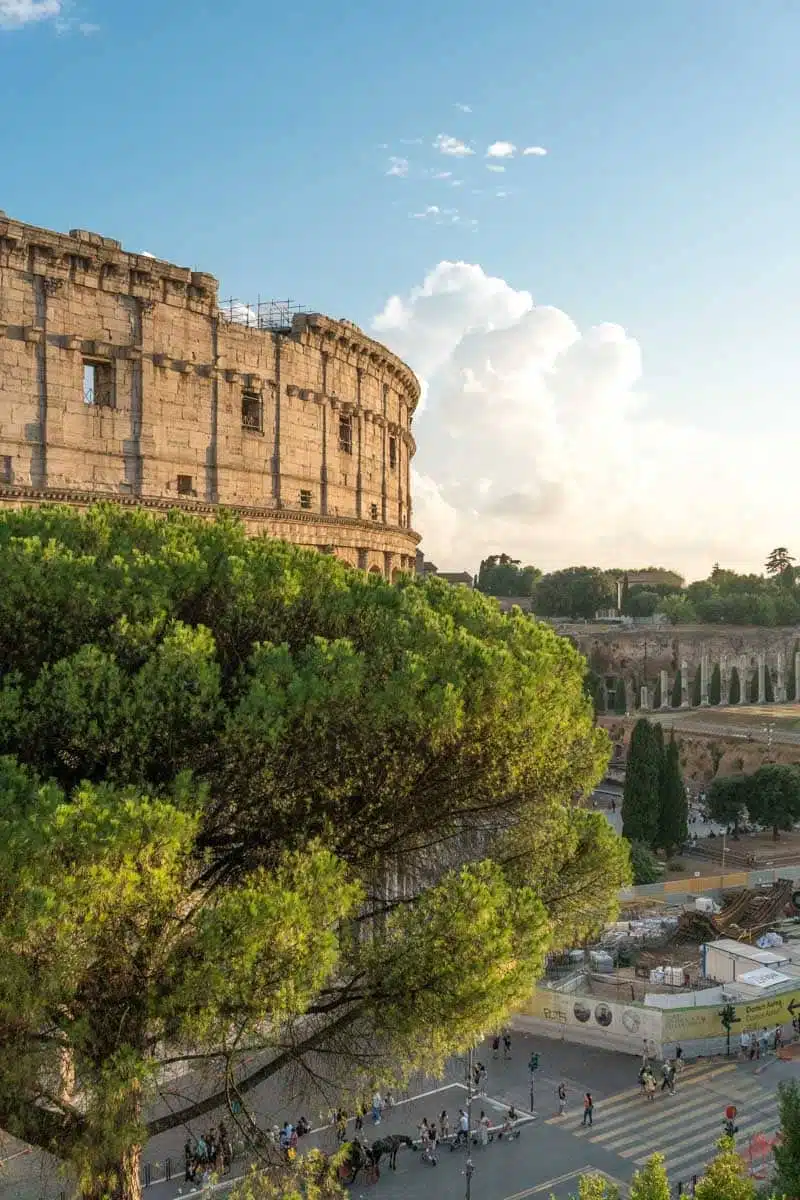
122,377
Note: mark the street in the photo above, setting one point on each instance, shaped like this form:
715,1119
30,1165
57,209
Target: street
552,1151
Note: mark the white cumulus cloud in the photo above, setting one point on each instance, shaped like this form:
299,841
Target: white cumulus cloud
465,108
501,150
537,150
16,13
397,166
446,144
537,438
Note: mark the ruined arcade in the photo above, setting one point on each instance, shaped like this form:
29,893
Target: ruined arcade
122,377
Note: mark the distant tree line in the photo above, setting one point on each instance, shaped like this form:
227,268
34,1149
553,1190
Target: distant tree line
724,598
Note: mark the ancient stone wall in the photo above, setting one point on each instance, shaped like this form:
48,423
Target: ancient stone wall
120,378
654,655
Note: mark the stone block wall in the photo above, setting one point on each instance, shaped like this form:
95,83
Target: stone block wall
120,378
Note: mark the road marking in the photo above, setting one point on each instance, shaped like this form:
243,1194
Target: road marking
614,1110
746,1127
622,1135
631,1094
550,1183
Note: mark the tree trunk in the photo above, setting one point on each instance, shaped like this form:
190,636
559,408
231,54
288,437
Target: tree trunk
121,1181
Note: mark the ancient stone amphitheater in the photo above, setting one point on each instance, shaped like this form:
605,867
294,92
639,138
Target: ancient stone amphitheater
122,377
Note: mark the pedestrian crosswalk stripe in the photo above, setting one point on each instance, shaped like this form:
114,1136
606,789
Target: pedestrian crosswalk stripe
655,1114
757,1121
619,1098
652,1114
623,1109
611,1105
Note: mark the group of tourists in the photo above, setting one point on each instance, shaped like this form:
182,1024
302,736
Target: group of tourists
647,1079
754,1045
207,1155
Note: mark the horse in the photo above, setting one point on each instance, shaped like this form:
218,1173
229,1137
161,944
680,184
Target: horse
390,1145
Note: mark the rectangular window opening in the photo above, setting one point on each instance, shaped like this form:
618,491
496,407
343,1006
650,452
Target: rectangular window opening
373,511
305,498
185,487
252,411
98,383
392,451
6,469
346,435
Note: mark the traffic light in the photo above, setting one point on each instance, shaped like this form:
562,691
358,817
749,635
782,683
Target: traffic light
533,1064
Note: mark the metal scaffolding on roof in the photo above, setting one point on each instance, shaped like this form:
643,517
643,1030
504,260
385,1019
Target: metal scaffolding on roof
275,315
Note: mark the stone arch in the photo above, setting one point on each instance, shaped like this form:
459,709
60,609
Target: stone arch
375,570
397,574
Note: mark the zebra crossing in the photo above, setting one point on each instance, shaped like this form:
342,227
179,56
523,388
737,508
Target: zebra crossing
685,1127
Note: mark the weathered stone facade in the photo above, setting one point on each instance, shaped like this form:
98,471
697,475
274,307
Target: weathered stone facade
120,378
652,656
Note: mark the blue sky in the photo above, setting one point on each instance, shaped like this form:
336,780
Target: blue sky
247,139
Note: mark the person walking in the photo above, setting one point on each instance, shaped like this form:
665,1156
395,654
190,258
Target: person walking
495,1047
484,1124
377,1107
506,1045
588,1108
562,1099
444,1125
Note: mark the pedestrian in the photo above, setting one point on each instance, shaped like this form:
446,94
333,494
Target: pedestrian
444,1125
377,1107
679,1058
588,1108
484,1124
763,1042
388,1102
778,1038
480,1079
495,1047
506,1045
463,1129
650,1086
341,1126
188,1162
562,1099
360,1109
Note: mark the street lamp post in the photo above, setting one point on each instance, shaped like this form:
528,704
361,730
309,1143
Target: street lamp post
468,1167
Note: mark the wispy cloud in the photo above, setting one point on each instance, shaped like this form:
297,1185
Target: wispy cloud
467,108
501,195
87,28
501,150
411,141
494,167
537,150
456,183
397,166
432,210
450,145
16,13
442,174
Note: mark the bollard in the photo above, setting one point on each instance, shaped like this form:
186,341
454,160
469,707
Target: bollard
168,1170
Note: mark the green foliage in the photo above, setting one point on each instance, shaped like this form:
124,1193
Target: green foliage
657,692
678,610
501,575
644,863
786,1180
673,828
221,753
727,799
574,592
650,1182
620,696
779,562
715,685
769,690
640,798
312,1176
726,1176
641,602
697,687
735,688
773,795
677,690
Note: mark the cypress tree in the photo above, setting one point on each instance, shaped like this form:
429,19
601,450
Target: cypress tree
715,686
675,699
735,688
697,687
657,692
620,697
673,827
640,798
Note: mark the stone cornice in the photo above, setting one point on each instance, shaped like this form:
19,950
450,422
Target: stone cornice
198,507
366,348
